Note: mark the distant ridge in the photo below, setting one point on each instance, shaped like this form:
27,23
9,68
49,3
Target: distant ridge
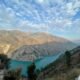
77,42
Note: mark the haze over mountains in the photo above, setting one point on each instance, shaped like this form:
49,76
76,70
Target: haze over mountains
29,46
77,42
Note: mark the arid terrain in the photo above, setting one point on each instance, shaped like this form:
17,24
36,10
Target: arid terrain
29,46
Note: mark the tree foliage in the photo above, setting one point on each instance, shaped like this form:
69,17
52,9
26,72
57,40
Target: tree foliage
68,58
32,72
13,75
4,61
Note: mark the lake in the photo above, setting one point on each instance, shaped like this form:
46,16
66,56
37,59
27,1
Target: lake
41,63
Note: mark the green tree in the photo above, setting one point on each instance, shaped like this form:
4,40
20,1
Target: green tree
32,72
13,75
18,74
4,61
68,58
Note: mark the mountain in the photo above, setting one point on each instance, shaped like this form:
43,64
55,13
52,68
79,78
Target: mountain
29,46
25,45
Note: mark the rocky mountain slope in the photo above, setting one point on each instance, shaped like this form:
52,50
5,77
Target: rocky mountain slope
21,45
40,44
31,52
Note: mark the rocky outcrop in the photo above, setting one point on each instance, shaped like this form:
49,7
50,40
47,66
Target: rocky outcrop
4,48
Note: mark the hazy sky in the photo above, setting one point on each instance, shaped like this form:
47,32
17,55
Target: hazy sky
58,17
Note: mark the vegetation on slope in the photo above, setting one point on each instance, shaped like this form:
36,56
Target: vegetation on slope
67,67
4,61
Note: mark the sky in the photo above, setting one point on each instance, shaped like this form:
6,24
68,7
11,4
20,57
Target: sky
57,17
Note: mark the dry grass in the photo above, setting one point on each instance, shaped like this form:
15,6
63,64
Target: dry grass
70,75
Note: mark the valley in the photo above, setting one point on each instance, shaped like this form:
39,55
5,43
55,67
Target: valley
46,51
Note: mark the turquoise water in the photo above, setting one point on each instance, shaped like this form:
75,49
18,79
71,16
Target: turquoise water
14,64
46,61
39,63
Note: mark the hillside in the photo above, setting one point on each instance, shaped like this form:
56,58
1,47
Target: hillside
58,70
15,43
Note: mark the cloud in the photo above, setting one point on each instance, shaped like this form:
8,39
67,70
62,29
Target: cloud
40,15
40,1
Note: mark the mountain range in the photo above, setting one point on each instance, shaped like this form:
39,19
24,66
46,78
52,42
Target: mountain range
29,46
